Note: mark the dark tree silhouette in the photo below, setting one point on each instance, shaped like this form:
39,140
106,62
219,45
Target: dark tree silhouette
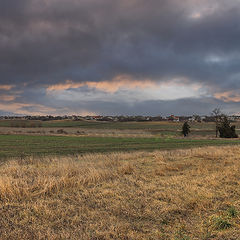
217,114
185,129
225,130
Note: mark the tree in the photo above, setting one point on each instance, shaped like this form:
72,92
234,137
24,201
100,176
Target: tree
197,118
217,114
185,129
225,130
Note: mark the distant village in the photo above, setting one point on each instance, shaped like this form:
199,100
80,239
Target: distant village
171,118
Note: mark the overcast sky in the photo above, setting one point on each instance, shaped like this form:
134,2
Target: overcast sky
131,57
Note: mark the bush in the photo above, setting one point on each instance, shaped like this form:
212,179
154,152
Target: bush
185,129
61,131
225,130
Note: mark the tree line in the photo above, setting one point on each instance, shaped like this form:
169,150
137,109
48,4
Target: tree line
223,126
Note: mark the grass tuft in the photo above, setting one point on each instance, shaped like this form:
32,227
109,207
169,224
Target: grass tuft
232,212
221,223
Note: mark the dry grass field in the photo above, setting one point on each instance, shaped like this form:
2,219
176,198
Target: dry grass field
171,195
72,131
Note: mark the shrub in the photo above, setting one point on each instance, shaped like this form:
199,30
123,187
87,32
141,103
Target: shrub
61,131
185,129
225,130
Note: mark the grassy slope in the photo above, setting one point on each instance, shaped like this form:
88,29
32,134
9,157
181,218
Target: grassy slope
166,128
176,195
22,145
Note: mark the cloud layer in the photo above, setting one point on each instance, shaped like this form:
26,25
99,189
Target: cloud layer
98,49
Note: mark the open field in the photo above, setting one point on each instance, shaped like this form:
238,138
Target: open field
97,181
173,195
73,131
152,128
24,145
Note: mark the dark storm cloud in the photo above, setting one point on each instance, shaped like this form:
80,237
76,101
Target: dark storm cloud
186,106
45,42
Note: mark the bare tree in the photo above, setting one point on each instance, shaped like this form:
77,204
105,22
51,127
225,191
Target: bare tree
217,114
197,118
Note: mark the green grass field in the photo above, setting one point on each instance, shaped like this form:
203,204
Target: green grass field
158,136
105,125
163,128
23,145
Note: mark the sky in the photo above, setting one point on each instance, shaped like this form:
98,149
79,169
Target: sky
125,57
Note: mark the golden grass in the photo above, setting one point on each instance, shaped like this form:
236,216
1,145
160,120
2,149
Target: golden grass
180,195
72,131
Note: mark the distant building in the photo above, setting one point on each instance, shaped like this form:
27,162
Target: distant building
173,118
